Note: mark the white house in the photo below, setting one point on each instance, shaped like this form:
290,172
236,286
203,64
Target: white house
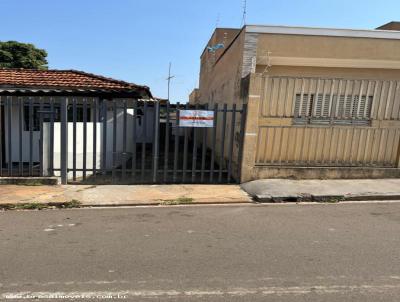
98,108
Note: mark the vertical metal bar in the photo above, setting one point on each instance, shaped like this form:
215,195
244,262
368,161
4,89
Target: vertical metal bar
281,145
309,103
324,100
338,141
214,141
374,101
95,118
337,101
31,125
204,151
124,125
289,143
74,120
303,139
231,142
388,97
84,112
52,117
41,137
222,157
134,120
166,149
330,106
286,97
380,145
387,148
398,111
144,133
352,145
367,104
243,119
271,97
64,141
1,134
176,147
9,131
360,100
273,134
194,151
104,137
185,150
346,144
381,95
395,148
300,113
343,113
315,104
21,128
2,143
292,102
366,146
393,100
114,148
278,98
156,140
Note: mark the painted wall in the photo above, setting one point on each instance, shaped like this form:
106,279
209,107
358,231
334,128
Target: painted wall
244,71
142,135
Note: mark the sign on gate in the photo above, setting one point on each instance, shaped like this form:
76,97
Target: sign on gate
196,118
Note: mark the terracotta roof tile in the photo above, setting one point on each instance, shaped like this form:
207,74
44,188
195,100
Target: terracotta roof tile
67,79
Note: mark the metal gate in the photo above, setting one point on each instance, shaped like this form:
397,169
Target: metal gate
90,140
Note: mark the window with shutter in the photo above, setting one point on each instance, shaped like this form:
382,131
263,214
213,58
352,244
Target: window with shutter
325,109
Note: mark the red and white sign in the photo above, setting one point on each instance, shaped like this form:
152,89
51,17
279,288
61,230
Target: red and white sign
196,118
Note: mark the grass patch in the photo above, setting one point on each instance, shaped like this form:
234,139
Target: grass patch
41,206
31,183
178,201
24,206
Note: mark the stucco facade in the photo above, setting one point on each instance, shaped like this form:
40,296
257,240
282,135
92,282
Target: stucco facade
322,103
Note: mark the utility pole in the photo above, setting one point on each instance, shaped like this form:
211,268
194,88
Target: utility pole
244,13
170,77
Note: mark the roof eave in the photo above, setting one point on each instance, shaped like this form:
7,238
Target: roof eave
319,31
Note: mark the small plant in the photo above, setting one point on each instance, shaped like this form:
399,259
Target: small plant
31,206
69,204
32,182
178,201
40,206
24,206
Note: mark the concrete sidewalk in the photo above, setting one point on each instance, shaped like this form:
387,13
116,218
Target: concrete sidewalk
119,195
285,190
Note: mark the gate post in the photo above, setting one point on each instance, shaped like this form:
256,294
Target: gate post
156,139
64,141
251,127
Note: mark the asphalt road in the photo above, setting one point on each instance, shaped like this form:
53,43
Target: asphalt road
345,252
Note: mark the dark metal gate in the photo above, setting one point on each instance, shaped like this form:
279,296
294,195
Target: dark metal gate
118,141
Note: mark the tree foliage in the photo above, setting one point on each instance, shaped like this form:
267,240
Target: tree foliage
14,54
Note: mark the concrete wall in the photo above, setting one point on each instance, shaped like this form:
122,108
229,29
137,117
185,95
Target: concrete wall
221,83
276,147
243,73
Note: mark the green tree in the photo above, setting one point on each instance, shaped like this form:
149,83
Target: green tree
14,54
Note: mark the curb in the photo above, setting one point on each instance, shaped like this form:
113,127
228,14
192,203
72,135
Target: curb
64,205
324,198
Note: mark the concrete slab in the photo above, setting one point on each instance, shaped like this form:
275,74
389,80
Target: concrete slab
115,195
286,190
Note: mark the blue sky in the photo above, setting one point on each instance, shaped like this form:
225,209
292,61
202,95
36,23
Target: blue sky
135,40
